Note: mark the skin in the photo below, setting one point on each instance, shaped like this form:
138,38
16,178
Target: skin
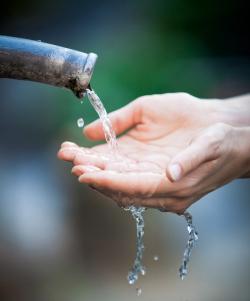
173,150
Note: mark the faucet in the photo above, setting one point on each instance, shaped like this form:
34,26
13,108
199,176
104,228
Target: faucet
46,63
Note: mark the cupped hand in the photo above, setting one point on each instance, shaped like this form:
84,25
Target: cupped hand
170,156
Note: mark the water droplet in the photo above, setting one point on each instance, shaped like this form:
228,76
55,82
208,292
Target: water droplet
156,258
138,291
131,281
143,271
80,122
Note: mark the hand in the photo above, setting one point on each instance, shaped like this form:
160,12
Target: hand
161,127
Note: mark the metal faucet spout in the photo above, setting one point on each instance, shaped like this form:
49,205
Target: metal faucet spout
46,63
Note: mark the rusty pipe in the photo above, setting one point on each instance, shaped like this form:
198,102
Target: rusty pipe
46,63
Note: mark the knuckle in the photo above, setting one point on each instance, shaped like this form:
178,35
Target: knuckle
182,193
173,205
176,96
164,204
141,99
183,95
185,192
188,187
77,159
179,207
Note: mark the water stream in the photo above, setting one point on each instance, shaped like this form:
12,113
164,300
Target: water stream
106,124
137,268
137,212
192,238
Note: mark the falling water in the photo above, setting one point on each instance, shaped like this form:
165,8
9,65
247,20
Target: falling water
106,124
137,212
192,238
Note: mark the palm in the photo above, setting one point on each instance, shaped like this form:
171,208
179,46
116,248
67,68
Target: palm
144,152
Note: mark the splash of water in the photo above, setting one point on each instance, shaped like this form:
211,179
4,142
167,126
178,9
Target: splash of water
192,238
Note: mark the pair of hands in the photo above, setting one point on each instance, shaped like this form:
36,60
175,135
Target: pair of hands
173,149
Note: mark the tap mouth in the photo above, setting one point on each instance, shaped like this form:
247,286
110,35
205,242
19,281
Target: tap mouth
82,81
37,61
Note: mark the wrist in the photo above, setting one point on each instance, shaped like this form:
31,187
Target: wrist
232,111
243,145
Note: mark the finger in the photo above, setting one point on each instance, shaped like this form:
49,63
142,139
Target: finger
67,153
97,160
81,157
132,184
74,146
121,120
68,144
78,170
200,151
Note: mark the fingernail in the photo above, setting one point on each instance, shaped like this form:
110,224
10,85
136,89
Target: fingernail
81,177
77,171
175,171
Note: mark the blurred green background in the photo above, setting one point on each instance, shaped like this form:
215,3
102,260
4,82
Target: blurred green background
58,239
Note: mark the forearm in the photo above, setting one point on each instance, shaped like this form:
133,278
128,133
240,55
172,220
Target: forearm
236,112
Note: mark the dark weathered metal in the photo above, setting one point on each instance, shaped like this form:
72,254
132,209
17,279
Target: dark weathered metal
41,62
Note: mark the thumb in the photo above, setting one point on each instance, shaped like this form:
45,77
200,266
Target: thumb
121,120
201,150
